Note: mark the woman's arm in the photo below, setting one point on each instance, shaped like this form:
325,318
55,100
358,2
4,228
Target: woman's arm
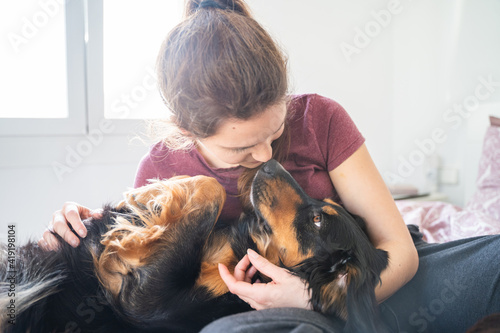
364,193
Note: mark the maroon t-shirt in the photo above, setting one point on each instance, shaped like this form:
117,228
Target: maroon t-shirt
322,137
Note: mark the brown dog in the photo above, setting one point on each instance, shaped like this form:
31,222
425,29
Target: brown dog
150,263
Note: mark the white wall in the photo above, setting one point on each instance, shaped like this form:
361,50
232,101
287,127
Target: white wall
422,58
312,33
31,189
441,50
414,61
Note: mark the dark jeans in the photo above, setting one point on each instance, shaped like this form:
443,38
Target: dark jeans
457,284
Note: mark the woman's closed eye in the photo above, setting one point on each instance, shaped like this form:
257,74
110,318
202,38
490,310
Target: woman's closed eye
238,150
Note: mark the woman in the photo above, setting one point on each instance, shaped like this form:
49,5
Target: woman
225,81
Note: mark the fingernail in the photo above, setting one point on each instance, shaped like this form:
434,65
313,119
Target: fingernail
74,243
44,244
82,233
252,253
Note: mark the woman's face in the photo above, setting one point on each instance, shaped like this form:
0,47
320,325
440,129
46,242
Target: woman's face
244,142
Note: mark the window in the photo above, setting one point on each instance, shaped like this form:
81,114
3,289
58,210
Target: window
132,34
43,92
64,70
33,66
123,40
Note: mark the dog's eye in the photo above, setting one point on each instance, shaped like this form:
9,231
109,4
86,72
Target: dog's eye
317,220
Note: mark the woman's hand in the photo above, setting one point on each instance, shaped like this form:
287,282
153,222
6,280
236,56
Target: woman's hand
70,214
285,289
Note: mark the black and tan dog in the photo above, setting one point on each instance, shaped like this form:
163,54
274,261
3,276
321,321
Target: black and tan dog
150,263
320,242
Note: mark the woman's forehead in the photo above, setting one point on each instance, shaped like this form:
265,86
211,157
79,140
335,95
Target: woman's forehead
242,133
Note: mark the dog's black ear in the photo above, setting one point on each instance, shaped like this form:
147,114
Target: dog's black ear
168,271
362,306
128,249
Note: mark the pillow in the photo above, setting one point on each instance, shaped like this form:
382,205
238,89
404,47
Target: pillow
487,196
494,121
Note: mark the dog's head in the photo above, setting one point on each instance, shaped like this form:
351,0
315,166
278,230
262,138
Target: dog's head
319,241
156,243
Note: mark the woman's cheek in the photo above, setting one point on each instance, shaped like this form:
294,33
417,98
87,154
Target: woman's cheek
231,158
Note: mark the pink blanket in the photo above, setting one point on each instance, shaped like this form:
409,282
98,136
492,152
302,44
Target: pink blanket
442,222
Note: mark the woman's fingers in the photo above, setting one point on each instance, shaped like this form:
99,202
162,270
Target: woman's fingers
235,285
70,215
244,290
240,282
250,274
267,268
49,242
60,226
74,214
240,270
284,290
244,271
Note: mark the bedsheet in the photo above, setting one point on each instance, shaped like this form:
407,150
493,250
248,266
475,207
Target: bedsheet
443,222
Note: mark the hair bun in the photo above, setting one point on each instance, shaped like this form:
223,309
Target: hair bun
210,4
236,6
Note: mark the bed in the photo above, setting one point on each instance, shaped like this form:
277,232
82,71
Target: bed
442,222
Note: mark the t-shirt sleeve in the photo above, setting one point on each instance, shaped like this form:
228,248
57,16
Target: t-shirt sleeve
342,137
145,171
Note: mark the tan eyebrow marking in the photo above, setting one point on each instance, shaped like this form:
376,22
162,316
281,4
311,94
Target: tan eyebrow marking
331,202
329,209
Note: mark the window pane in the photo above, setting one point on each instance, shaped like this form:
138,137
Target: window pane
132,34
33,60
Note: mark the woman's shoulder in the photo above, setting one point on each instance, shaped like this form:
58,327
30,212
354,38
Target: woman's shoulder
161,162
322,127
316,109
159,152
313,103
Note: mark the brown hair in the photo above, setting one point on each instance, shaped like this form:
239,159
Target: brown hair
218,64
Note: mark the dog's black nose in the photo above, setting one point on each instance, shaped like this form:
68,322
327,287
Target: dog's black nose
270,167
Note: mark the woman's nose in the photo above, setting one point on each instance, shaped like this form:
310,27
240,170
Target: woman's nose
263,152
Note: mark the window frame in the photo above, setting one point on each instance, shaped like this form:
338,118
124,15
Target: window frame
76,122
